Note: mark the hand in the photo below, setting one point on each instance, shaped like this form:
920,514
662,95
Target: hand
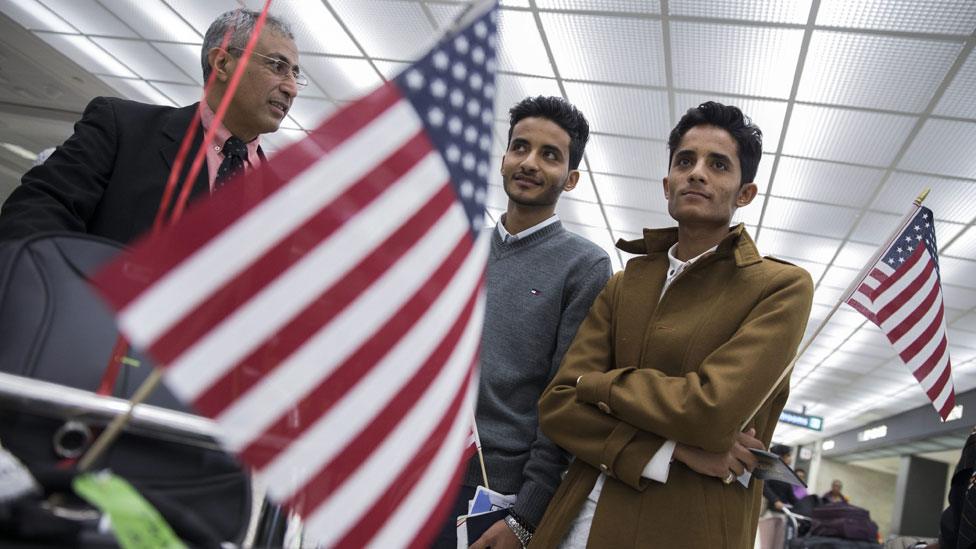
498,536
737,460
778,505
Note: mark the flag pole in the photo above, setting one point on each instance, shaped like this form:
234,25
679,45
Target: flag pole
850,289
477,445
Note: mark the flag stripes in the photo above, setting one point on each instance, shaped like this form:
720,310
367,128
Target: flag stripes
902,295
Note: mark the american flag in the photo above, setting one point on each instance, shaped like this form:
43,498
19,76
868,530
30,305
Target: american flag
902,295
326,308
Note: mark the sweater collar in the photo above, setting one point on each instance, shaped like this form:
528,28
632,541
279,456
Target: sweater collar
738,242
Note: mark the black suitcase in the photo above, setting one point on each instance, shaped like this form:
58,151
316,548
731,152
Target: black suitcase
820,542
54,328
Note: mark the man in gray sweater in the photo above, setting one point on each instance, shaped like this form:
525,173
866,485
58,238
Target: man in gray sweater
541,281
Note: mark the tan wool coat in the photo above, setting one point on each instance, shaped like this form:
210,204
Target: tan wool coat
690,368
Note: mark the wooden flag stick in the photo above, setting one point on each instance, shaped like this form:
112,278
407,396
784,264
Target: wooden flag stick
120,421
477,445
850,289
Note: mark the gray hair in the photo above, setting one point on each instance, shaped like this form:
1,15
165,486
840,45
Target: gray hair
242,22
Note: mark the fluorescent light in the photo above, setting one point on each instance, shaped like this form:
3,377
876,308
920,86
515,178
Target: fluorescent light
19,151
139,90
86,53
828,445
873,433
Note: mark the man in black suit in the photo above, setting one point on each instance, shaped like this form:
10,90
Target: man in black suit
108,178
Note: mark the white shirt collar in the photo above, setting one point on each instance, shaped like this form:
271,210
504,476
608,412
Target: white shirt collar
506,236
677,266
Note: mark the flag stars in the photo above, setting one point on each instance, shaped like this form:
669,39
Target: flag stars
473,108
486,116
489,91
457,98
467,189
435,116
461,44
475,81
484,143
479,196
441,60
468,161
459,71
454,125
481,29
438,88
478,55
470,134
415,79
453,154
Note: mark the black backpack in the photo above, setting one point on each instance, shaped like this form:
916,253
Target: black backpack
54,328
843,520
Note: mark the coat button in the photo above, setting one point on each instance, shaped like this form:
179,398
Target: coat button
603,407
603,467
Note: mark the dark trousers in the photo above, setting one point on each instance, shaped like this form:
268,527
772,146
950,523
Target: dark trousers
447,538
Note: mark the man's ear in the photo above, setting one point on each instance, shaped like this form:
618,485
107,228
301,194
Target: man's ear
746,193
221,63
667,194
571,180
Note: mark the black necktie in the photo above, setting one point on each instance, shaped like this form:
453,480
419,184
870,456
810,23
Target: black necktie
235,151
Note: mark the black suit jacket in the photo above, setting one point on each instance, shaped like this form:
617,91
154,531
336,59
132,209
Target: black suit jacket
108,177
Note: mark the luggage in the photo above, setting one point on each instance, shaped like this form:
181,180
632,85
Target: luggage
53,328
819,542
843,520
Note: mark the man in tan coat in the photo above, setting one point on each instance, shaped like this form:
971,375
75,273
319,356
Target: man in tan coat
676,353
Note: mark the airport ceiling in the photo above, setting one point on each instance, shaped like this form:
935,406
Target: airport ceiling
863,105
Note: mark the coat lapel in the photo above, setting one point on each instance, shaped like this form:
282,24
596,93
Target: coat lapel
174,130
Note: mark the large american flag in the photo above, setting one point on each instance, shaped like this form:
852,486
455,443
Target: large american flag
902,295
326,308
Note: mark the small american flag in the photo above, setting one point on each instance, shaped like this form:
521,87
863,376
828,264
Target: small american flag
326,308
902,295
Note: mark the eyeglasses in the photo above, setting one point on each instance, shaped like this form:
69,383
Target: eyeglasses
281,68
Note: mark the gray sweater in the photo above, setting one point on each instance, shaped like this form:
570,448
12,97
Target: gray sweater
539,290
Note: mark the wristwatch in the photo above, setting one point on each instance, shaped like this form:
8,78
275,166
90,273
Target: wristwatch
522,533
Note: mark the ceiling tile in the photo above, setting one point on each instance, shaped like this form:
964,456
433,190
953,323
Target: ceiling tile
757,61
33,15
274,142
632,6
950,199
749,214
87,54
512,89
963,246
140,90
630,192
520,47
967,322
827,296
825,181
392,30
875,228
584,188
839,277
590,48
153,20
958,97
879,72
89,17
390,69
310,112
624,111
773,11
618,155
186,56
846,135
962,298
181,94
958,272
855,255
341,77
943,147
815,269
935,16
316,30
807,217
811,248
768,115
496,198
200,14
145,60
583,213
634,221
446,14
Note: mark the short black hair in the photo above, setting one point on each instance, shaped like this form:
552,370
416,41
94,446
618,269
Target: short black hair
563,113
781,450
748,136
